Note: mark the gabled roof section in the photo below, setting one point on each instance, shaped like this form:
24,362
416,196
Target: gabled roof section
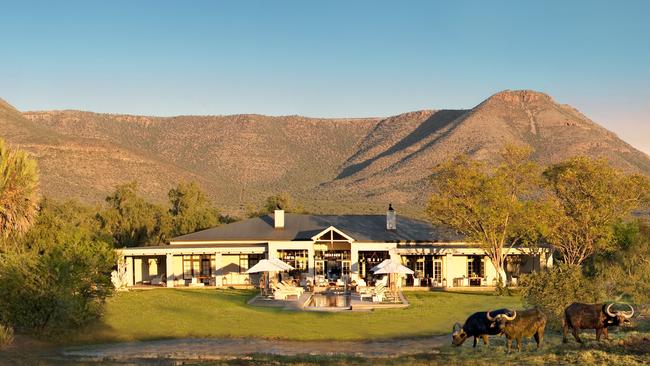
297,227
334,235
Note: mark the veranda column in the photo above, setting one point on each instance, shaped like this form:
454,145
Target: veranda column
218,270
129,270
311,263
169,268
354,262
446,262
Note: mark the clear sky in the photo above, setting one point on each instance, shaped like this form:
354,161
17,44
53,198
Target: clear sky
326,58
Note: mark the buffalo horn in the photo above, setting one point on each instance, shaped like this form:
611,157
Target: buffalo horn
512,317
490,318
608,311
628,314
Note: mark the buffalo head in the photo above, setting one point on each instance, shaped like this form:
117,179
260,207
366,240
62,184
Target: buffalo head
458,335
618,317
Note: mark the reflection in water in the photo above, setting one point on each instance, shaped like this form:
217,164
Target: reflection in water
329,300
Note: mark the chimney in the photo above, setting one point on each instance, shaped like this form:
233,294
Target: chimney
391,218
278,218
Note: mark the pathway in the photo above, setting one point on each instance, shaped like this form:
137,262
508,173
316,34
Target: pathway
216,349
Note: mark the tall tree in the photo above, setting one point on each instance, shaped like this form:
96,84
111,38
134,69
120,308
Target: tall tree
18,191
190,209
497,208
590,197
132,220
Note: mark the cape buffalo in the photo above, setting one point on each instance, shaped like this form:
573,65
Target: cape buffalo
593,316
477,325
520,324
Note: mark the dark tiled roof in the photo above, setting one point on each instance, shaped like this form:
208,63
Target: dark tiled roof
303,227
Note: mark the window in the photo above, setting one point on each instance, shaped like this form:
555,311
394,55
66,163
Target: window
437,270
247,261
474,266
298,259
197,266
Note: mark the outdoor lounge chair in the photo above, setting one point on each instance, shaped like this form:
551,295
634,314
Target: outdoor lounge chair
289,287
380,291
158,281
281,293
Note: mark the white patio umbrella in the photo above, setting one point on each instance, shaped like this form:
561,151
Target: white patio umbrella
391,267
269,265
283,265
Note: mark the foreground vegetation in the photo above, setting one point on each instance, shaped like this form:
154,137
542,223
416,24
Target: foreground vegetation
179,313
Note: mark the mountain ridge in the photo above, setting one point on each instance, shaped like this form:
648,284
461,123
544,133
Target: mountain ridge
330,164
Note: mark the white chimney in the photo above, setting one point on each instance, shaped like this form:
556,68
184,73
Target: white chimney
278,219
391,218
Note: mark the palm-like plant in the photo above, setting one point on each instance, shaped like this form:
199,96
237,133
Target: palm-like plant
18,191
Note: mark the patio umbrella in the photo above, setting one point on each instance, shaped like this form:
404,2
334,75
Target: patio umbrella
283,265
266,266
383,263
391,268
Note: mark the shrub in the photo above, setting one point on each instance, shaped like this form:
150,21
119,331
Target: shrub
6,336
554,289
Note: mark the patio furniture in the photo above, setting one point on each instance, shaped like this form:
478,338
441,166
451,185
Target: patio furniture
380,291
158,281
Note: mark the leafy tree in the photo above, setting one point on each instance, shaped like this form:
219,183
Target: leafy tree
590,197
132,220
624,269
59,276
191,210
497,208
18,191
281,200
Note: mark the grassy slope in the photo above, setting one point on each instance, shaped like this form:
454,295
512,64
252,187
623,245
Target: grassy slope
174,313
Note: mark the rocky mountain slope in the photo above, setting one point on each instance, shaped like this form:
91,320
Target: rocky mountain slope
331,165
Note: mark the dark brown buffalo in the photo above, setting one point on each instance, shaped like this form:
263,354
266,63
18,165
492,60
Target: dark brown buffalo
477,325
520,324
593,316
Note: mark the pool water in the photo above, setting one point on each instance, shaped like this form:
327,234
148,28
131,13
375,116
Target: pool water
329,300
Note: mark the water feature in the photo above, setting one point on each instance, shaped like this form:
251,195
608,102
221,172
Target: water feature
329,300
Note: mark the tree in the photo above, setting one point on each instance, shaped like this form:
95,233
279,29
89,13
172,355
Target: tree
624,269
497,208
590,197
18,191
191,210
272,203
132,220
58,277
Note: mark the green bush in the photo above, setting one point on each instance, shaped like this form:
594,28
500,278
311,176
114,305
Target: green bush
63,287
554,289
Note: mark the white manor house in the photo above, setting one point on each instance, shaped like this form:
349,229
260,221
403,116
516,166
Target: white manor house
323,247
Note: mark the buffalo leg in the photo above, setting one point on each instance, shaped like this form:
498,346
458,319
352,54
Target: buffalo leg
575,335
539,337
598,332
606,333
474,341
565,330
509,342
485,339
519,344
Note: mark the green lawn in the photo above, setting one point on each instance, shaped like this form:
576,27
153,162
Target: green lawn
178,313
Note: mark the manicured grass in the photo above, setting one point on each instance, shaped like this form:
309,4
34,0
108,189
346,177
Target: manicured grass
180,313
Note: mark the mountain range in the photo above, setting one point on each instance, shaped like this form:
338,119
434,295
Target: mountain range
352,165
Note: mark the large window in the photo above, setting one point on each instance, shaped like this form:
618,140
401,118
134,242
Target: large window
298,259
246,261
199,266
474,266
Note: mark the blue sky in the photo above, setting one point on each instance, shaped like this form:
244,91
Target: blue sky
329,58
